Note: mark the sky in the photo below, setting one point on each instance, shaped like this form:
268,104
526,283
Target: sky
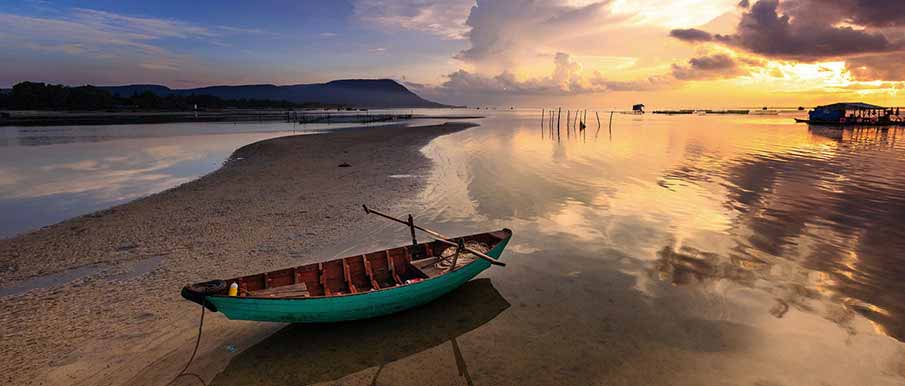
531,53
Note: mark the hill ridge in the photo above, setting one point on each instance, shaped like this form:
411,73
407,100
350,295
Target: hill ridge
375,93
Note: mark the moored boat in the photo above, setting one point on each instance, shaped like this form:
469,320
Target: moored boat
355,287
854,114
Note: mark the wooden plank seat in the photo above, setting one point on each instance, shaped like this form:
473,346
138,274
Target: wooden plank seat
286,291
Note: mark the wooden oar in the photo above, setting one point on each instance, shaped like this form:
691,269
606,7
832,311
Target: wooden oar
436,236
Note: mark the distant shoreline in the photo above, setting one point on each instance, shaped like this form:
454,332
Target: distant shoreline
66,118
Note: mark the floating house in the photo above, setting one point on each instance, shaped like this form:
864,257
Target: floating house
638,109
854,114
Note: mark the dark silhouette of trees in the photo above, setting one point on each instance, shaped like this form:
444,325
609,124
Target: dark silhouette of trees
40,96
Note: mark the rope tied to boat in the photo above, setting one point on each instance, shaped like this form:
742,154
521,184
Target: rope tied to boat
194,352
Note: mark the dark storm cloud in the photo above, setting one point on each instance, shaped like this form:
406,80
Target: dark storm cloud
869,13
867,34
691,35
764,30
707,67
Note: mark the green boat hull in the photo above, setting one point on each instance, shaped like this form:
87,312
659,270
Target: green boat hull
353,306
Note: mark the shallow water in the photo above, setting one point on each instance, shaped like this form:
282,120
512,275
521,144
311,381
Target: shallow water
718,250
52,173
74,172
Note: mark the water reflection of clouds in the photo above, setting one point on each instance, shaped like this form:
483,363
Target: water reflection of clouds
824,219
109,178
807,222
45,184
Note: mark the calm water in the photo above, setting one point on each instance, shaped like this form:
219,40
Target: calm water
49,174
681,250
717,250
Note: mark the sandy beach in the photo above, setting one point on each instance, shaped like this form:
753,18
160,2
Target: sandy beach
119,318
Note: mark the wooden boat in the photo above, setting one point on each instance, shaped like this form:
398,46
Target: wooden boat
303,354
350,288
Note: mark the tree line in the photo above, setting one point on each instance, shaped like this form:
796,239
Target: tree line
40,96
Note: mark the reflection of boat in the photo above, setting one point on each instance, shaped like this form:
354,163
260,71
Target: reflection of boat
350,288
310,354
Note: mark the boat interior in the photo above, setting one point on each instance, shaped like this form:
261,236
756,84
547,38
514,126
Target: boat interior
363,273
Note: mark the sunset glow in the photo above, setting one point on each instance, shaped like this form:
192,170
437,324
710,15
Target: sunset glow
532,53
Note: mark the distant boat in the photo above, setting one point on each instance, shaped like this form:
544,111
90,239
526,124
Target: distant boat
350,288
638,108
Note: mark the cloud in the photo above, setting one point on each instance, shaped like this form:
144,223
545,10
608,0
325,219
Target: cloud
691,35
142,28
105,41
890,67
444,18
811,30
503,32
708,67
651,83
765,31
567,78
871,13
869,35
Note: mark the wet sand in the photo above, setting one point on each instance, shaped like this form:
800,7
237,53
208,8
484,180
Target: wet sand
119,318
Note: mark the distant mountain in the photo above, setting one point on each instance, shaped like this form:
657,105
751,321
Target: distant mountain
374,93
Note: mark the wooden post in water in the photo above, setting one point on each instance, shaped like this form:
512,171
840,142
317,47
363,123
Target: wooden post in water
558,122
598,124
568,124
611,125
541,123
551,124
